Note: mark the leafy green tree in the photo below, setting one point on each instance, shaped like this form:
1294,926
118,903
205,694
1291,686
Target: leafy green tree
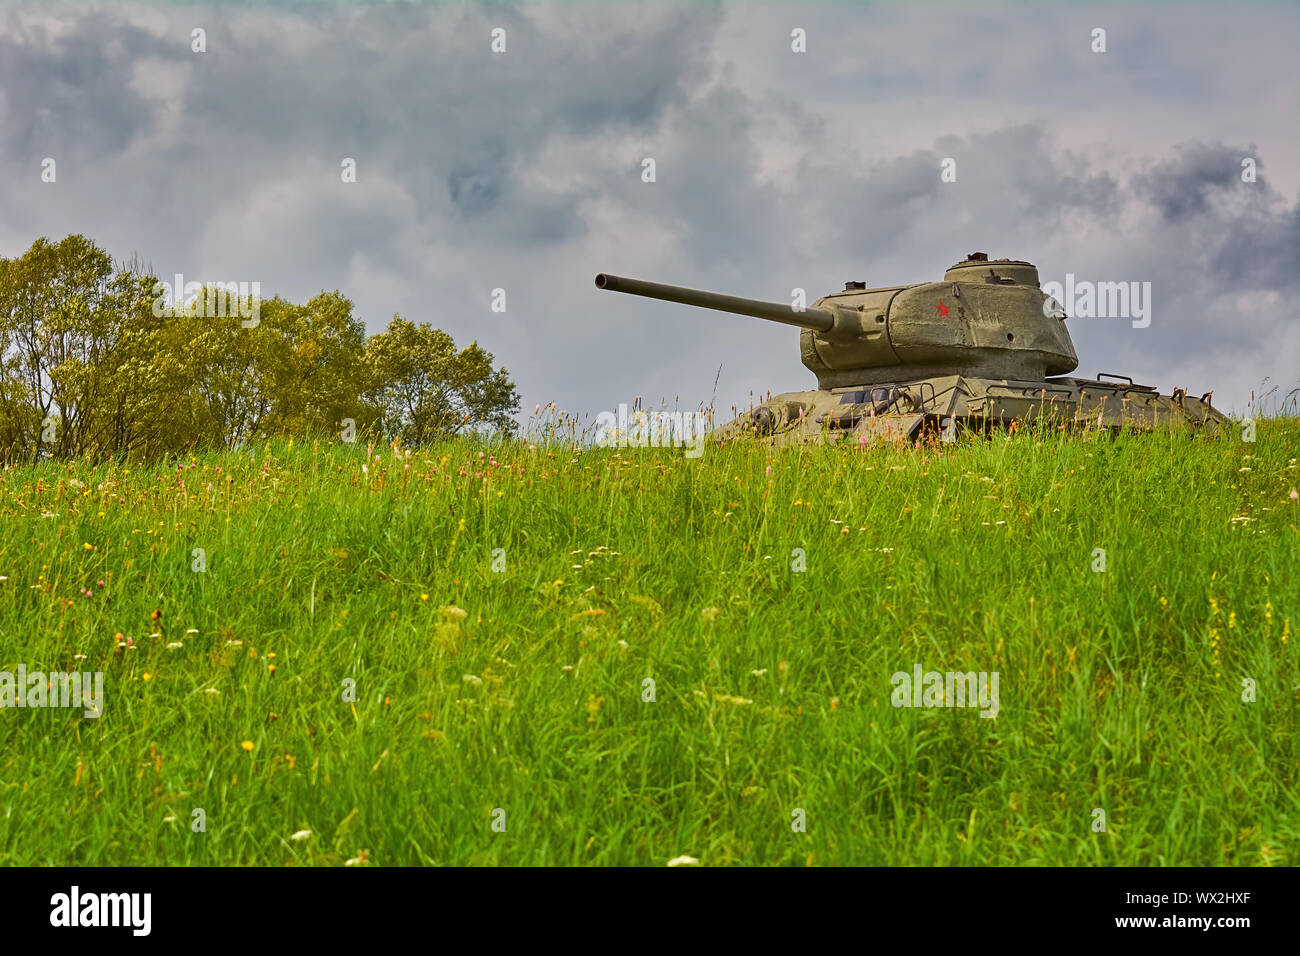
425,389
87,367
133,392
53,307
315,370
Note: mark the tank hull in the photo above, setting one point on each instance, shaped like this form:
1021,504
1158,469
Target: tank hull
942,406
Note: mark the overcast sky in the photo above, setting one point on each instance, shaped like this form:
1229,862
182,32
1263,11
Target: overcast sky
774,169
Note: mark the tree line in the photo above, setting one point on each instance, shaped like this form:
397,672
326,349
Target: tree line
91,366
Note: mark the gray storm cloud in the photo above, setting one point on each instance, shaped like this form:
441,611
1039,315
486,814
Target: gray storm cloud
522,170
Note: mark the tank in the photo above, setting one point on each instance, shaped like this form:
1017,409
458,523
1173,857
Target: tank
985,348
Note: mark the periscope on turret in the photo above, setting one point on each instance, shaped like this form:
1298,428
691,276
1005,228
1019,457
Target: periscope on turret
983,348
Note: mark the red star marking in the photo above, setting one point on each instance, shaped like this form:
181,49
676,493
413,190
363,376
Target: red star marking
943,309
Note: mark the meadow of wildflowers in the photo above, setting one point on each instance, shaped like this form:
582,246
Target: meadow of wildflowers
320,653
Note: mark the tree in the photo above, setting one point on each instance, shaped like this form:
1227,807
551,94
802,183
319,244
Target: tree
315,372
424,389
87,367
53,305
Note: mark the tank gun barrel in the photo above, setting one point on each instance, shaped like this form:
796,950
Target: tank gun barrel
820,320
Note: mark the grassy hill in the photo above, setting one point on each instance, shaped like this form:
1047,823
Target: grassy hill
604,657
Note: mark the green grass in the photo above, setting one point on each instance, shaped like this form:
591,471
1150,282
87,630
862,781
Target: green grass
1119,690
